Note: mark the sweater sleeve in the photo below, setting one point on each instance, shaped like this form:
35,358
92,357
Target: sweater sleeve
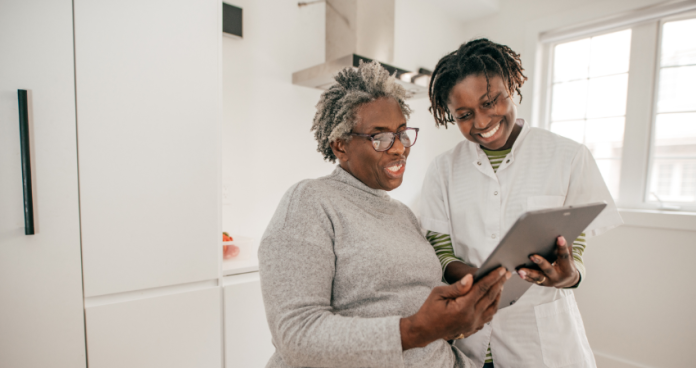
297,266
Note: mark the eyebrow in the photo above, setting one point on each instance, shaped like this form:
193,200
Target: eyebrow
481,98
385,129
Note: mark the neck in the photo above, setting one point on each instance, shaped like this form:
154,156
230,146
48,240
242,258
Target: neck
516,130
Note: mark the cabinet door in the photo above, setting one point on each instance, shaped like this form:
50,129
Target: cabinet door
247,337
41,314
148,109
178,330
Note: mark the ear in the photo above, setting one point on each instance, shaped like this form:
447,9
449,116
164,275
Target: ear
339,150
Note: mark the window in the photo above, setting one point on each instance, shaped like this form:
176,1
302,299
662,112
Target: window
688,184
590,78
627,91
674,136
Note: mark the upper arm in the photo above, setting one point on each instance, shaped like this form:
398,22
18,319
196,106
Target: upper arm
587,186
434,215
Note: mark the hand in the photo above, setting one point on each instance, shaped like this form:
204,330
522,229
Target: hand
460,308
560,274
456,271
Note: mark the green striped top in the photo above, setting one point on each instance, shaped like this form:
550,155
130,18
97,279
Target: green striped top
445,252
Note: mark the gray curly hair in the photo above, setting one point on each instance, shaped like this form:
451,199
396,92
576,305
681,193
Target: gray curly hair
337,107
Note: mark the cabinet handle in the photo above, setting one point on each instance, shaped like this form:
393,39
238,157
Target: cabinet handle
26,162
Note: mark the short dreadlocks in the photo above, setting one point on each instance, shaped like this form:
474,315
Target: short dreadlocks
477,57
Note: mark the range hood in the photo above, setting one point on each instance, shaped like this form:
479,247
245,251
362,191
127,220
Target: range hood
360,30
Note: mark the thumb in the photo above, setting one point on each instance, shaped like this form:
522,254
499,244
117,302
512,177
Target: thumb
459,288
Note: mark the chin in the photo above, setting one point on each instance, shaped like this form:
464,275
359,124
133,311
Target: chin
392,185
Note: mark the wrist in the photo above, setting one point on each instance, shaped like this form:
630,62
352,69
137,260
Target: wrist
456,270
575,280
411,334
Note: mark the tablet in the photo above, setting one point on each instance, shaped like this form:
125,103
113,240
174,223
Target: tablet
535,232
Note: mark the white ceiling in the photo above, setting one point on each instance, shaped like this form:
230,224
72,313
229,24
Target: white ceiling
465,10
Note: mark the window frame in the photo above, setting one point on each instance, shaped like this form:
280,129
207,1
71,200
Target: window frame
641,101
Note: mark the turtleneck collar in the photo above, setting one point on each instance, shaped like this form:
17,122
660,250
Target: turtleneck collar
339,174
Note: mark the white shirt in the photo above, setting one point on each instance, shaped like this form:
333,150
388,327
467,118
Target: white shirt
463,196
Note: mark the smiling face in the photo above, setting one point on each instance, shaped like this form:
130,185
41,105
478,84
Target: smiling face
378,170
489,122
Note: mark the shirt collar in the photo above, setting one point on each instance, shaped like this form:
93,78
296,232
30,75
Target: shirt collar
339,174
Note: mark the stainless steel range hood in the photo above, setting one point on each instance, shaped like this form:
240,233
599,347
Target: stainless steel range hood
360,30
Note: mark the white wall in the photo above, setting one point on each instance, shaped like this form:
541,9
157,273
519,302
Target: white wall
638,298
266,142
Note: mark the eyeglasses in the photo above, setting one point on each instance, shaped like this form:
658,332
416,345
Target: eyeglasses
384,141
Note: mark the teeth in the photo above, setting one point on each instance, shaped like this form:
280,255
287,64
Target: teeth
490,134
394,168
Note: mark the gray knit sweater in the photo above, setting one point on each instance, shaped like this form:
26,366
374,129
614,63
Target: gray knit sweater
340,264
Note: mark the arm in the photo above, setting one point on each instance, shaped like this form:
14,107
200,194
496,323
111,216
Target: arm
453,268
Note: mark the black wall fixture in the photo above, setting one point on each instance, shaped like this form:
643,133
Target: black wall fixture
26,161
232,19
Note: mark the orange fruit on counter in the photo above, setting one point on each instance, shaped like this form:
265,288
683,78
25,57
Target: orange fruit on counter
230,252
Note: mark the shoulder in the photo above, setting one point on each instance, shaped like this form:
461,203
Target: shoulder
548,143
303,199
309,192
552,138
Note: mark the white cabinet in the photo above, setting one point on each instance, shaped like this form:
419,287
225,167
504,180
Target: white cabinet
139,83
148,106
179,330
41,314
247,337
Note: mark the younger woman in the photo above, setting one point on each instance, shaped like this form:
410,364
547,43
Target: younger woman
474,193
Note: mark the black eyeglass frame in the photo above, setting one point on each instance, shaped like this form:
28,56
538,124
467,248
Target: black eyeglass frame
393,138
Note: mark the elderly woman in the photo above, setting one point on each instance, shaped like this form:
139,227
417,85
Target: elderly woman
348,279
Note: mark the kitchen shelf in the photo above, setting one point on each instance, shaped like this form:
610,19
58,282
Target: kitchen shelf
246,261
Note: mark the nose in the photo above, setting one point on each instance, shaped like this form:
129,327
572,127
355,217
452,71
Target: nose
481,120
397,148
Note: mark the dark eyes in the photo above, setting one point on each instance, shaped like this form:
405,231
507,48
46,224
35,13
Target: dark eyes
463,117
490,103
485,105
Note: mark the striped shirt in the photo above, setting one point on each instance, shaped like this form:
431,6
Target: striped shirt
445,252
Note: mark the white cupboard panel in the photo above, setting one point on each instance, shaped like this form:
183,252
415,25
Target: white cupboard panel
175,331
247,337
148,92
41,314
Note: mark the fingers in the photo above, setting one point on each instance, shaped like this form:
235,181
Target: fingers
534,276
457,289
548,270
481,287
563,251
492,294
491,310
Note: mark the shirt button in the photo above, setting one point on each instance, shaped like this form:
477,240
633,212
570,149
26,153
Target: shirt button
479,163
507,162
493,236
495,193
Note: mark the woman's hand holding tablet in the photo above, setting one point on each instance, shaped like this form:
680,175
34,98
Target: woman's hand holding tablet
560,274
